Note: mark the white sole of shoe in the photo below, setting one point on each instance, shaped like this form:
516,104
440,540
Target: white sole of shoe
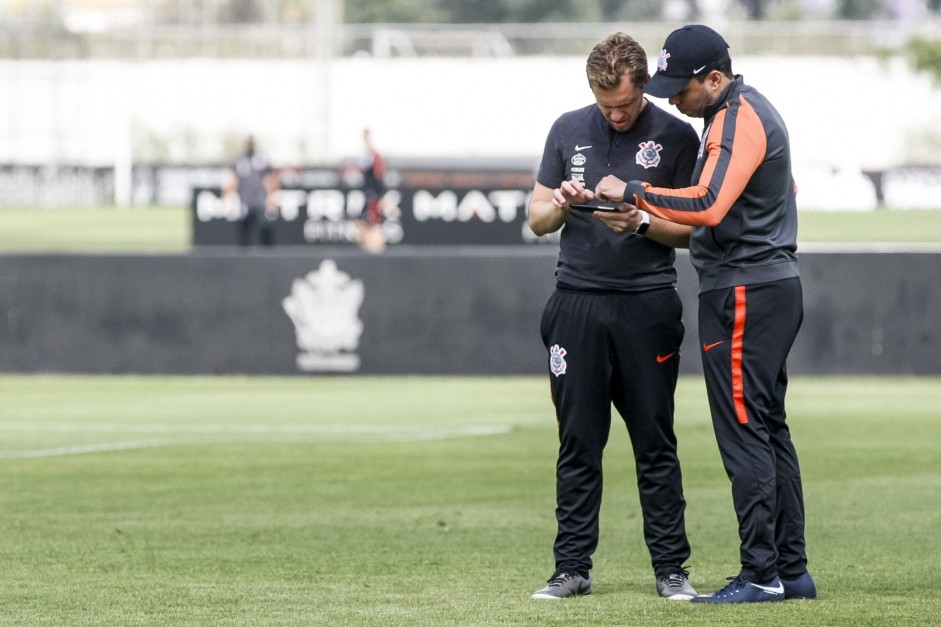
679,597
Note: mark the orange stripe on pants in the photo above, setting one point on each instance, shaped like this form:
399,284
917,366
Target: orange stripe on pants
738,339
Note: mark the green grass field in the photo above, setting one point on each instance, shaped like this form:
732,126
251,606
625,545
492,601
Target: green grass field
422,501
96,230
168,229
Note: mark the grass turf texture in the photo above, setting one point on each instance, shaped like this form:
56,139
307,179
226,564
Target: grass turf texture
96,230
169,229
422,501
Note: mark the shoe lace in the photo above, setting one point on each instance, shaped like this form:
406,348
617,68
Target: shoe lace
677,579
559,579
734,582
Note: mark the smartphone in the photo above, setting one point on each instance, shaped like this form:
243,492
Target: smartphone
591,208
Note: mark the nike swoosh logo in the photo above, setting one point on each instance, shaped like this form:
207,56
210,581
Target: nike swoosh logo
699,70
662,359
779,589
709,347
577,147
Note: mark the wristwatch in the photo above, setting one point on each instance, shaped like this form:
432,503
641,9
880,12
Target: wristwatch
644,225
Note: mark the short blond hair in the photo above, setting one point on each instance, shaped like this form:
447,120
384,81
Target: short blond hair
614,58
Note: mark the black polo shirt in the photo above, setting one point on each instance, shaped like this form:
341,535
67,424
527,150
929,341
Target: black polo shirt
582,145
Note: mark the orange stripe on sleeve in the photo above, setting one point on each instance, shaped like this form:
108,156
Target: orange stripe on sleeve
730,164
738,339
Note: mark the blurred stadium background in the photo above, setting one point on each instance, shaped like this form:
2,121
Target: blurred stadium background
132,102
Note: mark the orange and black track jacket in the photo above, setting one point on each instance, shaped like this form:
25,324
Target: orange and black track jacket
742,201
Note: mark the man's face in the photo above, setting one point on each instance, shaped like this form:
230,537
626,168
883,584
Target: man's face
694,98
620,106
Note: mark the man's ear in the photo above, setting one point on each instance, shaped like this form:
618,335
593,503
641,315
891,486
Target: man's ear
715,79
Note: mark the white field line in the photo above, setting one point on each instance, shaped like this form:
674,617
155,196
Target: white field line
248,429
83,449
372,432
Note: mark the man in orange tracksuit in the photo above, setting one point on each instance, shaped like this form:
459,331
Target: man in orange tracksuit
741,205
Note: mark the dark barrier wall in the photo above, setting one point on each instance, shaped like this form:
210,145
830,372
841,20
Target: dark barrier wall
424,310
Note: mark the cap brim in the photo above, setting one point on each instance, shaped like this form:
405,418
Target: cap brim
662,86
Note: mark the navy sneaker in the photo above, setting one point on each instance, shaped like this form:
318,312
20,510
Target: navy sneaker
801,587
740,590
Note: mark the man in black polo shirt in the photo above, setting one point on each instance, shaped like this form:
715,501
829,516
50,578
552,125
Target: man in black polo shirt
613,328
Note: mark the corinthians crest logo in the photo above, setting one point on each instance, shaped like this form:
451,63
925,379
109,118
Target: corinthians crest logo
662,60
324,307
649,154
557,363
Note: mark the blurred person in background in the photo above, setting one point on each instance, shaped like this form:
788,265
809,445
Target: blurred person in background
255,182
373,170
613,327
741,202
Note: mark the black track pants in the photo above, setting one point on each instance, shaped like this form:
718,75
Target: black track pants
622,349
746,333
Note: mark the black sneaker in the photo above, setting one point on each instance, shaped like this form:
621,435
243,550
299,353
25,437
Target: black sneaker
740,590
675,586
564,585
801,587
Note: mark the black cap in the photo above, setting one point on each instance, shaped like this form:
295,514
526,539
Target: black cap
689,51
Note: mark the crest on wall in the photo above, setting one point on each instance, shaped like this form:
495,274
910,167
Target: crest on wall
324,307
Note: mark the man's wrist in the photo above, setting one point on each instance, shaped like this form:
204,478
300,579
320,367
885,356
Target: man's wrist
633,190
644,224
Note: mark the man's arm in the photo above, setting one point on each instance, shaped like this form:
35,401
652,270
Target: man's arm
733,153
545,216
628,218
548,208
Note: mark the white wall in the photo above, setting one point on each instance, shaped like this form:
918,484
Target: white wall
844,115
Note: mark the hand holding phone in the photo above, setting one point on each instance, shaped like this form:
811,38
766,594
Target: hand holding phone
592,208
